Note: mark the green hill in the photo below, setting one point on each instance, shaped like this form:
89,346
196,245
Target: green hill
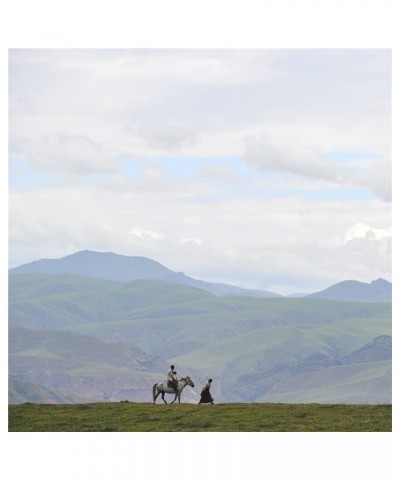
23,392
359,383
59,301
80,366
91,332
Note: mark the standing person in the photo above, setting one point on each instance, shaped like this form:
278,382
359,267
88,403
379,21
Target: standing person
172,379
205,395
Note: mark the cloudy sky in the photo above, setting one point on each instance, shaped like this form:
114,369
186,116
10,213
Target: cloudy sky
262,168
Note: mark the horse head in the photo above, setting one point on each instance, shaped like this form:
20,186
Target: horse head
189,381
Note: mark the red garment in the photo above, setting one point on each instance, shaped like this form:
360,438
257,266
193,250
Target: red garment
205,395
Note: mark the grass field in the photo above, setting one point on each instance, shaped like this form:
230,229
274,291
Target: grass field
228,417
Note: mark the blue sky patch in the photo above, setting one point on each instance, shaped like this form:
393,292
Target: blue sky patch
20,176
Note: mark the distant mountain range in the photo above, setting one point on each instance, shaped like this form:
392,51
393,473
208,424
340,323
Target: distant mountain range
111,266
352,291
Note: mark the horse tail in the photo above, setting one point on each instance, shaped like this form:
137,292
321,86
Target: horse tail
154,392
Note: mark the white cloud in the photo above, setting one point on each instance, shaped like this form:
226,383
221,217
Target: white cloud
146,235
378,177
287,154
62,152
195,241
167,137
361,230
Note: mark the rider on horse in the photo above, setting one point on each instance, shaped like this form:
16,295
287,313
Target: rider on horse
162,388
172,378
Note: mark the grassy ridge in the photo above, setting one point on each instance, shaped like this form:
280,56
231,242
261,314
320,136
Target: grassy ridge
229,417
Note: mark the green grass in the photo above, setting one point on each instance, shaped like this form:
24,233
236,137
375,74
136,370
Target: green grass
229,417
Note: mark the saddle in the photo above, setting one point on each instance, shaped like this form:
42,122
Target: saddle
172,384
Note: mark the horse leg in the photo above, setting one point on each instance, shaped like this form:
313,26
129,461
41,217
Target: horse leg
162,396
155,397
174,398
155,393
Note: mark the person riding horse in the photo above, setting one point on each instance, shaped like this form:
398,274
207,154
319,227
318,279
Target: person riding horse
162,388
172,379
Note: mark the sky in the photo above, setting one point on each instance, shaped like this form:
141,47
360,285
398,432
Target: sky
263,168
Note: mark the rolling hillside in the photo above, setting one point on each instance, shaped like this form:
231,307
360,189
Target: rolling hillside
105,339
78,366
23,392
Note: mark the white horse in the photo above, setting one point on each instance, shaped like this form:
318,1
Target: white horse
162,388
